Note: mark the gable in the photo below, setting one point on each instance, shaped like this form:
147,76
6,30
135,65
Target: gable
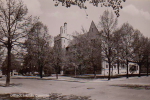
93,29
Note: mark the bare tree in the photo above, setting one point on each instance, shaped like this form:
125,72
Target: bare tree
12,23
108,24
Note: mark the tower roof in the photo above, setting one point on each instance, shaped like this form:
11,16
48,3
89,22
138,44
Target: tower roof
93,28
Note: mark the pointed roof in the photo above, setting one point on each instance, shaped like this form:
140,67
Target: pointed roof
93,29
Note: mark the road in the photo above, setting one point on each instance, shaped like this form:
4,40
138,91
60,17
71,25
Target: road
98,89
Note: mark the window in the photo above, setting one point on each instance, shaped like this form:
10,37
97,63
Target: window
136,67
123,66
67,48
106,66
114,66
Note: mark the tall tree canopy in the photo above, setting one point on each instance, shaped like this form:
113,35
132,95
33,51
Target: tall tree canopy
38,48
85,50
108,24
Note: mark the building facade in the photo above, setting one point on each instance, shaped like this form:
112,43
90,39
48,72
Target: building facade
62,41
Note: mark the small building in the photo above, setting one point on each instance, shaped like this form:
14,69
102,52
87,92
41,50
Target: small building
133,68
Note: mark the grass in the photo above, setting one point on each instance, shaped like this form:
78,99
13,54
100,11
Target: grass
134,86
10,85
17,96
114,76
56,96
52,96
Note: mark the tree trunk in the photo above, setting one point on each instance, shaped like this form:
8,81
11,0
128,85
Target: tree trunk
139,69
56,75
112,71
75,73
94,71
127,69
8,64
109,61
41,70
109,69
57,72
147,65
118,66
94,74
80,69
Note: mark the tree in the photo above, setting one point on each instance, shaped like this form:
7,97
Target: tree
131,46
108,24
147,53
57,58
117,40
74,53
38,47
127,32
85,49
115,4
12,24
94,54
139,46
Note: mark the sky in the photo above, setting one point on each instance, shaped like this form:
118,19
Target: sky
135,12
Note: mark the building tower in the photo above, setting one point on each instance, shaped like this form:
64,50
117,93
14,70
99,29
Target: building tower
63,36
61,41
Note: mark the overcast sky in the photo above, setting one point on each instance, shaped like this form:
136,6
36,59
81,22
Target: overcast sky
136,12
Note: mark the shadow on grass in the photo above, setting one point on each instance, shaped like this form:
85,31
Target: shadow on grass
134,86
56,96
52,96
105,77
11,85
17,96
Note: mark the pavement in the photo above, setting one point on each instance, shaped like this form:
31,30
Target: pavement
98,89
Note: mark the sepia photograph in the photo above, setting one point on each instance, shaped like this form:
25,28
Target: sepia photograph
74,49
